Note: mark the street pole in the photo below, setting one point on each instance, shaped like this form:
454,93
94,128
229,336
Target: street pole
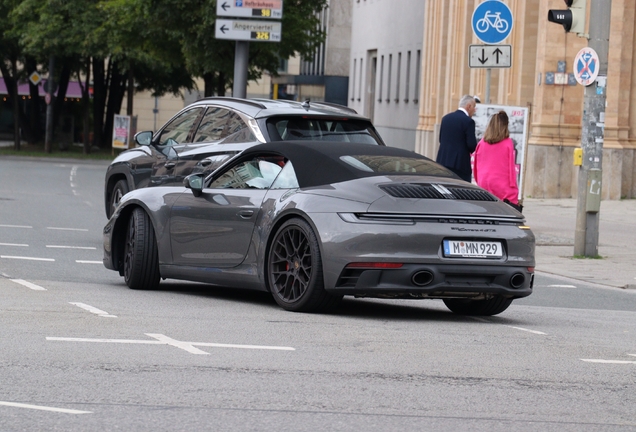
488,73
590,172
241,59
48,138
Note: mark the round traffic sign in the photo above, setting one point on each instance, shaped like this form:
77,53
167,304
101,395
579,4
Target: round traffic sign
586,66
492,21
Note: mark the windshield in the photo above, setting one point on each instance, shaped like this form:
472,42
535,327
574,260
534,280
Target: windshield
381,164
321,129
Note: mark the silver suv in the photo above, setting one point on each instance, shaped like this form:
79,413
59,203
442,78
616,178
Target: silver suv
203,135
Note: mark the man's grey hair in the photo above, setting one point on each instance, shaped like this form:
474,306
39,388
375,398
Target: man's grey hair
466,100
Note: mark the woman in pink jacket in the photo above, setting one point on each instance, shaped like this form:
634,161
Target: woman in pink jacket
494,161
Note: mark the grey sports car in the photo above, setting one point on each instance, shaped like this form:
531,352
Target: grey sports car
311,222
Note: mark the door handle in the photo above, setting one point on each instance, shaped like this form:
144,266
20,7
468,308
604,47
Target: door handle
205,162
169,165
246,214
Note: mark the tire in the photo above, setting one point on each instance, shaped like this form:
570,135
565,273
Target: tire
294,269
121,188
493,306
141,262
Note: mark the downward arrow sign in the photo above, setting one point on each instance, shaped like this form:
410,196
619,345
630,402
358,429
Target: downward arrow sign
483,59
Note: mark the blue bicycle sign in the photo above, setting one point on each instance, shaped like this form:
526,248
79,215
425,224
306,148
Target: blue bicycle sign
492,21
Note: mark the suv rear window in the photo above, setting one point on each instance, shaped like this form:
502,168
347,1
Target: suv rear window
321,129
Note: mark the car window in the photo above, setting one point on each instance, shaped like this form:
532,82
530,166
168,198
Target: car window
386,164
258,172
234,124
177,130
283,128
212,125
286,179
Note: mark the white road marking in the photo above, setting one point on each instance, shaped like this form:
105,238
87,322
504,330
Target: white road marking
71,247
609,361
94,310
26,258
67,229
516,328
528,330
165,340
44,408
175,343
15,226
14,244
561,286
34,287
124,341
89,262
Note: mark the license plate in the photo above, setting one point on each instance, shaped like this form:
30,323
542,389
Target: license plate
472,249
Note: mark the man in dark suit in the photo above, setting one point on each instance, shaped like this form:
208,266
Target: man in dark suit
457,139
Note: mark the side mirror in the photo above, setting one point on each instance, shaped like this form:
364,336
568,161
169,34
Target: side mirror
143,138
194,182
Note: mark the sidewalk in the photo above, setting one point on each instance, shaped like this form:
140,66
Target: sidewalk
553,222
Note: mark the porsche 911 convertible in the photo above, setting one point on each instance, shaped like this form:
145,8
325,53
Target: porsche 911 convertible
311,222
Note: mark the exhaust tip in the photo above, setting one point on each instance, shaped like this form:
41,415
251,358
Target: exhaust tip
422,278
517,280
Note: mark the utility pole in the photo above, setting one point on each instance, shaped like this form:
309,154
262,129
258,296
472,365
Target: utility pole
592,133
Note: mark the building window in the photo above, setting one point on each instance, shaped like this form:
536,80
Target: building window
353,84
397,78
381,79
408,77
418,64
360,82
388,82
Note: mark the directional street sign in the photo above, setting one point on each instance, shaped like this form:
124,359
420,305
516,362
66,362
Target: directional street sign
586,66
490,56
272,9
492,21
243,30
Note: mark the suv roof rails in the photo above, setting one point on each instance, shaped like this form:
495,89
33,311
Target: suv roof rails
238,100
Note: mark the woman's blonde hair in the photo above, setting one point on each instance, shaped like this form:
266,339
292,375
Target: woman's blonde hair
497,129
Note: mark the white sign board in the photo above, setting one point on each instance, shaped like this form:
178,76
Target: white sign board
490,56
518,127
261,31
121,131
272,9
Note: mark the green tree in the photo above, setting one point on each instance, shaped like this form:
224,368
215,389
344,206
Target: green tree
213,59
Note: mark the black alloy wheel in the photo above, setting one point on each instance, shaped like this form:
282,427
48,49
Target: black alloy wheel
294,269
120,189
141,262
492,306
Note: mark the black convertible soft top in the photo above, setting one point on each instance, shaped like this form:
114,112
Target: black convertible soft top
319,163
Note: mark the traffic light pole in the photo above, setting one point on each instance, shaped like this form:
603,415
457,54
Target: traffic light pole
590,172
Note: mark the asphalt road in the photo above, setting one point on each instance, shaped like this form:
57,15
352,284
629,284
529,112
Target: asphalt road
80,351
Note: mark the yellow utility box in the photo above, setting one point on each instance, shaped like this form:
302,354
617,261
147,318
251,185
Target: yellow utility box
578,156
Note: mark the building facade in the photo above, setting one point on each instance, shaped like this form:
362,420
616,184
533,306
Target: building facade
385,66
540,50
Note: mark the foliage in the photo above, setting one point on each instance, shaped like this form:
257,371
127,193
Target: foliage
163,45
